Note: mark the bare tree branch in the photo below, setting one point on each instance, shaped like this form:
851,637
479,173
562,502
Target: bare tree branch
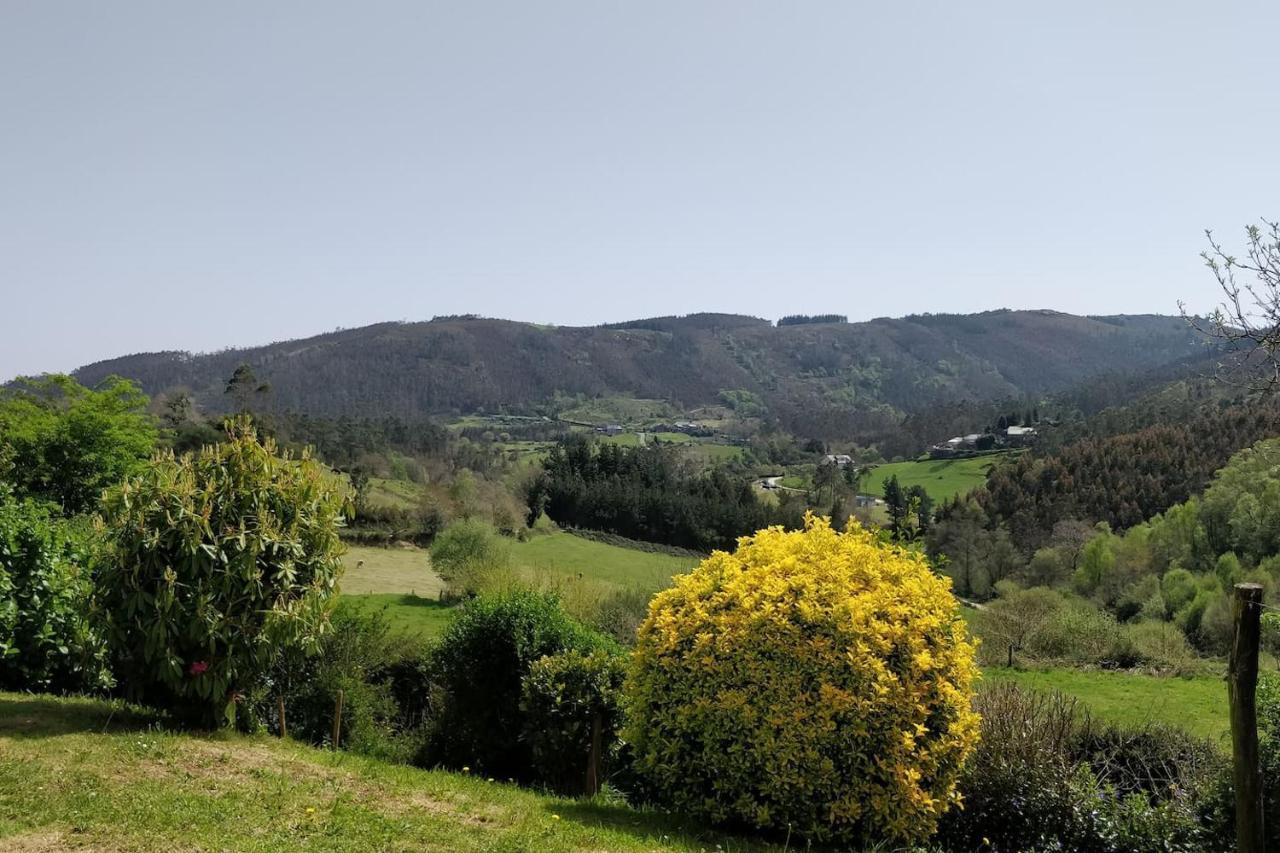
1246,324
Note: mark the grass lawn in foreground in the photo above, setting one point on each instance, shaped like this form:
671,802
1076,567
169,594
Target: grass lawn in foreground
941,478
1197,705
85,774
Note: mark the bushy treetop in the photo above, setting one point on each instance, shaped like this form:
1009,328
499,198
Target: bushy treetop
64,443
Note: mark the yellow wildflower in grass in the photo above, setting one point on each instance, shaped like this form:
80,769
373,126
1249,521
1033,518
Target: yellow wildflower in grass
816,680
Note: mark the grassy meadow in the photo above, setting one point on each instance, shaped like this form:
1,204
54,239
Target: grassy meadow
401,582
565,555
941,478
86,774
1197,705
394,494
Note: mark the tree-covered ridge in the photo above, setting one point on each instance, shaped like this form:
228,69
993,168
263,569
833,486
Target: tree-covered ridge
1121,479
827,380
803,319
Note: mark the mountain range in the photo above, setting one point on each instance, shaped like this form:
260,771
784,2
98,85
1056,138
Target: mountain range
804,372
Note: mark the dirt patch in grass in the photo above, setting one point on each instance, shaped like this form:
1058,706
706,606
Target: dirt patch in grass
44,841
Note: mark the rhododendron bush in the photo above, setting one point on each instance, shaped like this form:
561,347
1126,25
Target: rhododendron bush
814,681
214,563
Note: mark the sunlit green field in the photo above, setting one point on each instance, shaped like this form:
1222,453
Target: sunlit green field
568,555
389,570
941,478
405,613
401,582
1198,705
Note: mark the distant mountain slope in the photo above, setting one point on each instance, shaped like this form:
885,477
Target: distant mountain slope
833,373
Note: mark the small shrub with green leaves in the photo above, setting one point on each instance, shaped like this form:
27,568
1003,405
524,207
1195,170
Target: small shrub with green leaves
1044,779
471,556
1157,761
1162,645
565,698
361,657
1219,812
47,642
480,666
214,563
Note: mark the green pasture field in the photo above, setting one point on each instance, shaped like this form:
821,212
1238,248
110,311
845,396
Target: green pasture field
620,410
405,613
1197,705
395,494
566,555
401,579
942,479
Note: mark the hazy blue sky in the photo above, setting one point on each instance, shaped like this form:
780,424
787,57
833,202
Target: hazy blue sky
196,175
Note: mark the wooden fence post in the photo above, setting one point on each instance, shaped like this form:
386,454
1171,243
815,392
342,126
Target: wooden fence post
284,727
337,720
1242,683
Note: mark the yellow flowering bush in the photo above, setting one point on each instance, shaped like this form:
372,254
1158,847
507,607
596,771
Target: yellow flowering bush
815,681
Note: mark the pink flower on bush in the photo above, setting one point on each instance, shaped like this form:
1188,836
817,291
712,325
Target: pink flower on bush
198,668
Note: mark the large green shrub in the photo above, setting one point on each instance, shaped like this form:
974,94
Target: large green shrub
569,700
816,682
481,663
216,562
46,640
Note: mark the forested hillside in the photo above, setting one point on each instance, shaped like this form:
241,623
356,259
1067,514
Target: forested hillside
830,379
1128,463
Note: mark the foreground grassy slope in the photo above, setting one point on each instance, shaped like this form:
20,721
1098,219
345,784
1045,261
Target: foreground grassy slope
91,775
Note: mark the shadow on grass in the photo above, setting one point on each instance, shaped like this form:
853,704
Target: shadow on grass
408,600
654,826
34,716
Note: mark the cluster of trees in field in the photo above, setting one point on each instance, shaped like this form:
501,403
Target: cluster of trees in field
649,493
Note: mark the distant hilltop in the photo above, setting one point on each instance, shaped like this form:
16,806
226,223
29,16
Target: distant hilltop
802,370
